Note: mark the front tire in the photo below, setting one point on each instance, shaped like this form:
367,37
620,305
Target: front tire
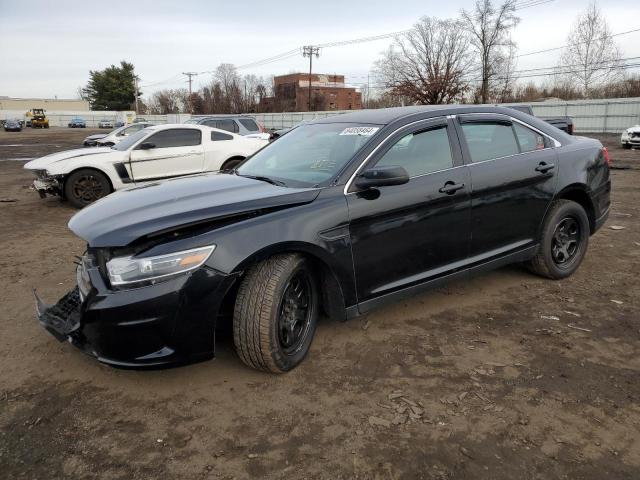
85,186
626,146
564,242
276,312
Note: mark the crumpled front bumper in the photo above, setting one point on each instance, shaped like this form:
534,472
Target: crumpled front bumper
170,323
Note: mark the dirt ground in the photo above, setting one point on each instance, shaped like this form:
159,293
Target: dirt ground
506,376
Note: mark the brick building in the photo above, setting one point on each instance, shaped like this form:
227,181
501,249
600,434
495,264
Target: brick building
328,92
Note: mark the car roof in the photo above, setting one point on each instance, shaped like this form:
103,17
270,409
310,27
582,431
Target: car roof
385,116
168,126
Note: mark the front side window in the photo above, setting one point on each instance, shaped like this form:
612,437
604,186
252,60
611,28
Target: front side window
228,125
420,152
210,123
528,139
131,140
311,154
176,137
489,140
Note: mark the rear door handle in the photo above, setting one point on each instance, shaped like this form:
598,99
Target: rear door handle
450,188
545,167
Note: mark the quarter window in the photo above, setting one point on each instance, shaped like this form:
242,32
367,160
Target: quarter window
216,136
176,137
420,152
528,139
489,140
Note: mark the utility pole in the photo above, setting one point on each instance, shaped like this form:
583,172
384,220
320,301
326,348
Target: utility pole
310,51
190,75
135,85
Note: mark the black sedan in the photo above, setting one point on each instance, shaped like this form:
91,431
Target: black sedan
12,126
340,216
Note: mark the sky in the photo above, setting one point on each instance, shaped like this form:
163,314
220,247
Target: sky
47,48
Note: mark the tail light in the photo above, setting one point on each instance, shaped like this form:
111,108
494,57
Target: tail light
262,130
607,157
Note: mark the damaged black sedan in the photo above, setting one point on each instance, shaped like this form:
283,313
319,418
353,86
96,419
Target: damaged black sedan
337,217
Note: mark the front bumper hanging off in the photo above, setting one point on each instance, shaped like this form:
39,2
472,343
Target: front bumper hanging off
63,318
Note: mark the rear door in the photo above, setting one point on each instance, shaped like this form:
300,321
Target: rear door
513,173
175,152
403,235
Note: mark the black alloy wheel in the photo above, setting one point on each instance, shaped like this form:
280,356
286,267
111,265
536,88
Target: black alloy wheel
86,186
295,313
276,312
566,241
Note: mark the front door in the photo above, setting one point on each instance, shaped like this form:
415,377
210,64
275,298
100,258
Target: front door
513,172
405,234
168,153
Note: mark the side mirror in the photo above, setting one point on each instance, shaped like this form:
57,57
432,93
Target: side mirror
146,146
382,177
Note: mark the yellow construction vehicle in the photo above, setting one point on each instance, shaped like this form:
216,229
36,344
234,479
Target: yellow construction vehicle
37,118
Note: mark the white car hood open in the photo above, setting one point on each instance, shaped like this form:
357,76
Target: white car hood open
57,159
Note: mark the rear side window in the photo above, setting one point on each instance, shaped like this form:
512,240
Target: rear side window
249,124
228,125
217,136
489,140
420,152
528,139
176,137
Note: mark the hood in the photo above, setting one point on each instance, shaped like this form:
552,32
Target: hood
47,160
126,215
635,129
96,136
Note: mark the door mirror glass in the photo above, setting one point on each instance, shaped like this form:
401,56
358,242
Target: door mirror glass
146,146
382,177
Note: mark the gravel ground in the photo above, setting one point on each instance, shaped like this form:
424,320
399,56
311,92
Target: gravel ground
504,376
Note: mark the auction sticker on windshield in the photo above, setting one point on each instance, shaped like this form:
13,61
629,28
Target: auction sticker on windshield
364,131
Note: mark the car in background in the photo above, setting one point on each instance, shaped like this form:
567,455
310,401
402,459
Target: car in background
563,123
139,120
105,123
77,122
151,154
116,136
12,125
631,137
240,124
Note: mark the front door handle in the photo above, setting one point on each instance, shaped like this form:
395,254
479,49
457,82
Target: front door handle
450,187
545,167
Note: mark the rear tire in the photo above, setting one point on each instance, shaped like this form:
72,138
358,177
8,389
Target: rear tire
276,313
564,242
231,164
85,186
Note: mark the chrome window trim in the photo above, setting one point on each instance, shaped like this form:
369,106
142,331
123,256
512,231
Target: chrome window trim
345,190
556,143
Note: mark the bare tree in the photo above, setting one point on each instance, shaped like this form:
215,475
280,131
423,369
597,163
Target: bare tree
592,58
506,79
490,28
428,64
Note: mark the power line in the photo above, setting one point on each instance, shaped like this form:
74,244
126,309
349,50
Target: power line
579,43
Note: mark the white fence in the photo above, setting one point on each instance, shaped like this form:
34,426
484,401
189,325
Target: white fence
589,116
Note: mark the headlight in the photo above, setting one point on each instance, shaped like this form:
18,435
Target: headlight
127,270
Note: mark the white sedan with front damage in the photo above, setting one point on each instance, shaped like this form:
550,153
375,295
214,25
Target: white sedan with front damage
631,137
82,176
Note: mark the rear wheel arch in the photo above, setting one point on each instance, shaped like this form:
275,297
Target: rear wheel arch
232,162
579,194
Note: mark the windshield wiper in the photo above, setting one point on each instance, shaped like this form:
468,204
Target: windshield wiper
262,178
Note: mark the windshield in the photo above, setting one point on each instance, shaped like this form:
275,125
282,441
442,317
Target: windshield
131,140
310,154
